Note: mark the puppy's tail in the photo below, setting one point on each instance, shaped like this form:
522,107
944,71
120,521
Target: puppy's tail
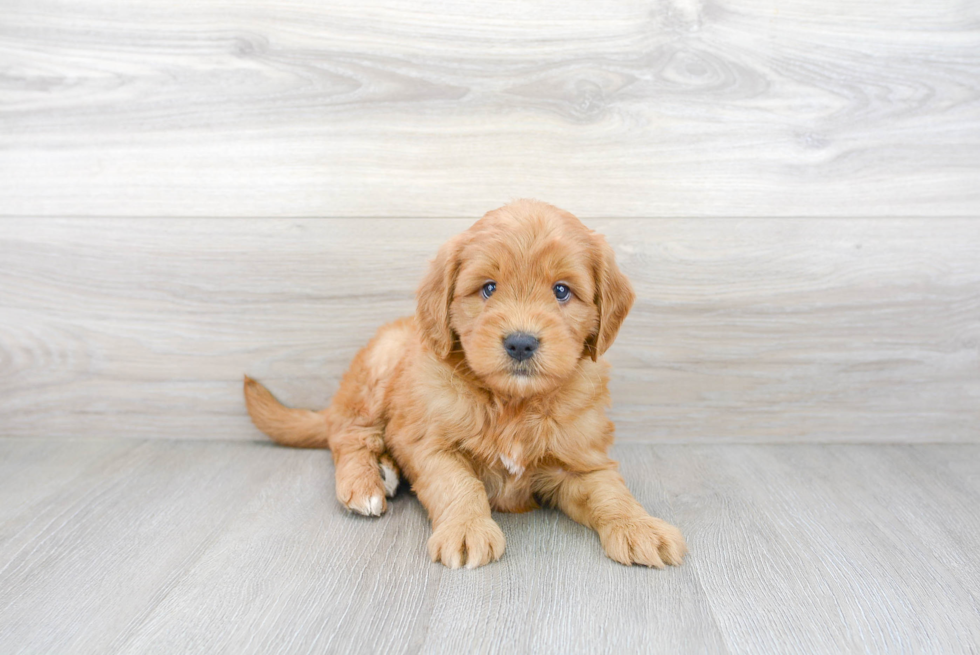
299,428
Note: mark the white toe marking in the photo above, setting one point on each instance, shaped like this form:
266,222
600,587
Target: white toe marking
390,479
367,507
515,468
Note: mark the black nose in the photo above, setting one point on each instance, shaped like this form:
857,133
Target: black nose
520,345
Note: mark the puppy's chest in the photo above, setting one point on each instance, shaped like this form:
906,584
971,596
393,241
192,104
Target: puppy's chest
505,460
511,446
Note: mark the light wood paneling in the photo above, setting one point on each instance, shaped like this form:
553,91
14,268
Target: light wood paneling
746,330
398,107
162,546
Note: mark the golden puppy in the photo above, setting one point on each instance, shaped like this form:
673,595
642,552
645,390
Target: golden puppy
493,396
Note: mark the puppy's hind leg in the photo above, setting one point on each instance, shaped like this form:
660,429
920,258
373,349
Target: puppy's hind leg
365,473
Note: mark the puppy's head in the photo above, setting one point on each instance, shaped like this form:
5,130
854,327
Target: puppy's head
526,292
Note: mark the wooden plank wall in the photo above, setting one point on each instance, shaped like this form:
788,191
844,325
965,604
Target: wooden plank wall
435,108
749,330
193,190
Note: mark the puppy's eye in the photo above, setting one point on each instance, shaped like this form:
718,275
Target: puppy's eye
488,289
562,292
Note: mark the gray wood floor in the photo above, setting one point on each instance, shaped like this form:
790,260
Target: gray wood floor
190,546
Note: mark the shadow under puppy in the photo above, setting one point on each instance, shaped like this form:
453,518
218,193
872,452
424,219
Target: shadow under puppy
493,396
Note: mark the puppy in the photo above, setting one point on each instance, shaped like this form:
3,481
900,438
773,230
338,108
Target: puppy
492,397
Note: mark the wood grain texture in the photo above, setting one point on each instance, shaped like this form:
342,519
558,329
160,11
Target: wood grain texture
106,549
745,330
293,572
829,547
395,108
557,592
164,546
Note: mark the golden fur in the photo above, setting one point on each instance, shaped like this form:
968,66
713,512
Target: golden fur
472,429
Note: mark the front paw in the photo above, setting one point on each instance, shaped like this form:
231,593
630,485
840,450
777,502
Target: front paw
473,542
643,540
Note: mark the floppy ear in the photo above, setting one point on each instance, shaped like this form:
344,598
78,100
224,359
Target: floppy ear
434,296
613,298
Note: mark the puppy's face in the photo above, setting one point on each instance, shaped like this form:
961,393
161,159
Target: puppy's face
526,292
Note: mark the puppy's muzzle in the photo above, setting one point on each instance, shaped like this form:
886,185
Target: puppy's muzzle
520,346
